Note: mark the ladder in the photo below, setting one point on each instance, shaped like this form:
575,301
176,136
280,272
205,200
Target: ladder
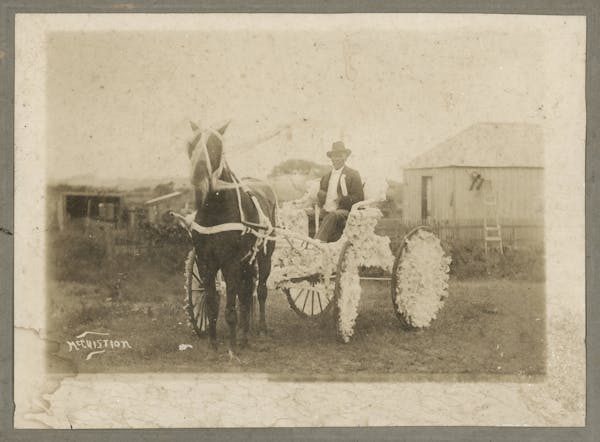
492,233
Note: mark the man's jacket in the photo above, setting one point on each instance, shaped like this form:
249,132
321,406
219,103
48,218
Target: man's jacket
349,189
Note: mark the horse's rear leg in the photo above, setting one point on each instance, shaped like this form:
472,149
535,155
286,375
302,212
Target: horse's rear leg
264,270
245,296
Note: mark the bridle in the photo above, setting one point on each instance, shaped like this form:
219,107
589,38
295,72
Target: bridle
217,184
202,143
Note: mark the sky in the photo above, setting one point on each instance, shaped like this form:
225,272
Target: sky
119,102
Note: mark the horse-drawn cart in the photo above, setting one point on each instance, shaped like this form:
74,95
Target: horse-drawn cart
319,278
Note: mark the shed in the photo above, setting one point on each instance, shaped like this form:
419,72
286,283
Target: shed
77,208
503,162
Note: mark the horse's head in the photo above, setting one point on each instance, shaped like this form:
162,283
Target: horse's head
205,150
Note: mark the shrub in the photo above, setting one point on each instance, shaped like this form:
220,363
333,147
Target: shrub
75,255
470,261
79,256
167,246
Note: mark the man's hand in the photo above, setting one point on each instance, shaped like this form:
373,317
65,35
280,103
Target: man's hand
345,202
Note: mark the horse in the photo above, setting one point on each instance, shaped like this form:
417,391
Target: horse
223,201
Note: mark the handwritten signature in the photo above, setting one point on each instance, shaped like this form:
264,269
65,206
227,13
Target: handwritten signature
96,345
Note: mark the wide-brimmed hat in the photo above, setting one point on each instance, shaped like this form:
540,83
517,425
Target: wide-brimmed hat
338,147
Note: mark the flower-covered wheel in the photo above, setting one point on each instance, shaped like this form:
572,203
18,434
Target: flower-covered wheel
419,283
195,295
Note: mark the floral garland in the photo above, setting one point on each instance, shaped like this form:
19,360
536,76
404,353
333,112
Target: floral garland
422,279
293,217
190,309
366,249
348,295
371,249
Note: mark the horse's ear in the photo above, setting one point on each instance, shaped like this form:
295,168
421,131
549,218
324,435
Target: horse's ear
223,128
194,126
191,145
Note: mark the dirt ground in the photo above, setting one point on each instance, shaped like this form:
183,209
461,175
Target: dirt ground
486,328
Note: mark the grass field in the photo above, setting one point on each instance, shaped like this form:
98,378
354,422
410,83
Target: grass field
487,327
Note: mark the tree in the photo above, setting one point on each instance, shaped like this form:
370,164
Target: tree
299,166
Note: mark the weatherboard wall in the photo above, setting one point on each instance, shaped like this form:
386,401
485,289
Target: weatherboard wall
519,194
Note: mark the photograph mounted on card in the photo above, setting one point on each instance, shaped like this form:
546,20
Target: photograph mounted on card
357,220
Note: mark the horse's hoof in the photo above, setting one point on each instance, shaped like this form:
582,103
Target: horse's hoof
213,345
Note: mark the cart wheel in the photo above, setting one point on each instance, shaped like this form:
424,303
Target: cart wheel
309,302
253,302
309,296
437,274
196,295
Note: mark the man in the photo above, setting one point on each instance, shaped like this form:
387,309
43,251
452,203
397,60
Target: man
338,191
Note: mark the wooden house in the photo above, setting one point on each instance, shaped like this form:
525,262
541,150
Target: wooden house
490,173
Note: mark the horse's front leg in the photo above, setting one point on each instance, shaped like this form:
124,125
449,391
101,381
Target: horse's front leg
208,274
231,273
212,309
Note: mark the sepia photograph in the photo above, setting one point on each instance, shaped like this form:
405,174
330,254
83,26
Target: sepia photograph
299,220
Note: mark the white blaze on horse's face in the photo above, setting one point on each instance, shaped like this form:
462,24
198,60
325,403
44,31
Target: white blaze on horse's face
205,150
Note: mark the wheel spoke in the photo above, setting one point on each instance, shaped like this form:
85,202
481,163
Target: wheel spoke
305,299
298,300
298,295
319,299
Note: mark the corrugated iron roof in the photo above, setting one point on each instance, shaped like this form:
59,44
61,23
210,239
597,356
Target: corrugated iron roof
487,145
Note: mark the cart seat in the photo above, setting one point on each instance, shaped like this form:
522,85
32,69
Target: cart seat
302,215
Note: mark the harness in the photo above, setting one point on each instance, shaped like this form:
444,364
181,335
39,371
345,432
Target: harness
262,230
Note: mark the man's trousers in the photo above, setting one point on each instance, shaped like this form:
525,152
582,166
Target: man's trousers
332,225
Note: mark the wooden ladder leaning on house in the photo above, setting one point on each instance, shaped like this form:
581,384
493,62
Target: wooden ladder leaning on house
492,233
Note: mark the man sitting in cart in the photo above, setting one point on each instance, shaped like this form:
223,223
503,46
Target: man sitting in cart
338,191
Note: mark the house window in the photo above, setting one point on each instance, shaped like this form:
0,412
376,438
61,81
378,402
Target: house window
426,197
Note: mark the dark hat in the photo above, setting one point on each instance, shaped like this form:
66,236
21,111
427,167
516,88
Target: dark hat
338,147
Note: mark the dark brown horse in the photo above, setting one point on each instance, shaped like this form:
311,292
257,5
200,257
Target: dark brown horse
223,202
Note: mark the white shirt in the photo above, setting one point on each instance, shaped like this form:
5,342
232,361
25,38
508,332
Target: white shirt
331,198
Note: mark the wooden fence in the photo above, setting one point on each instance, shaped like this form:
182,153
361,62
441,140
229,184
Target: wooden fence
132,241
515,232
